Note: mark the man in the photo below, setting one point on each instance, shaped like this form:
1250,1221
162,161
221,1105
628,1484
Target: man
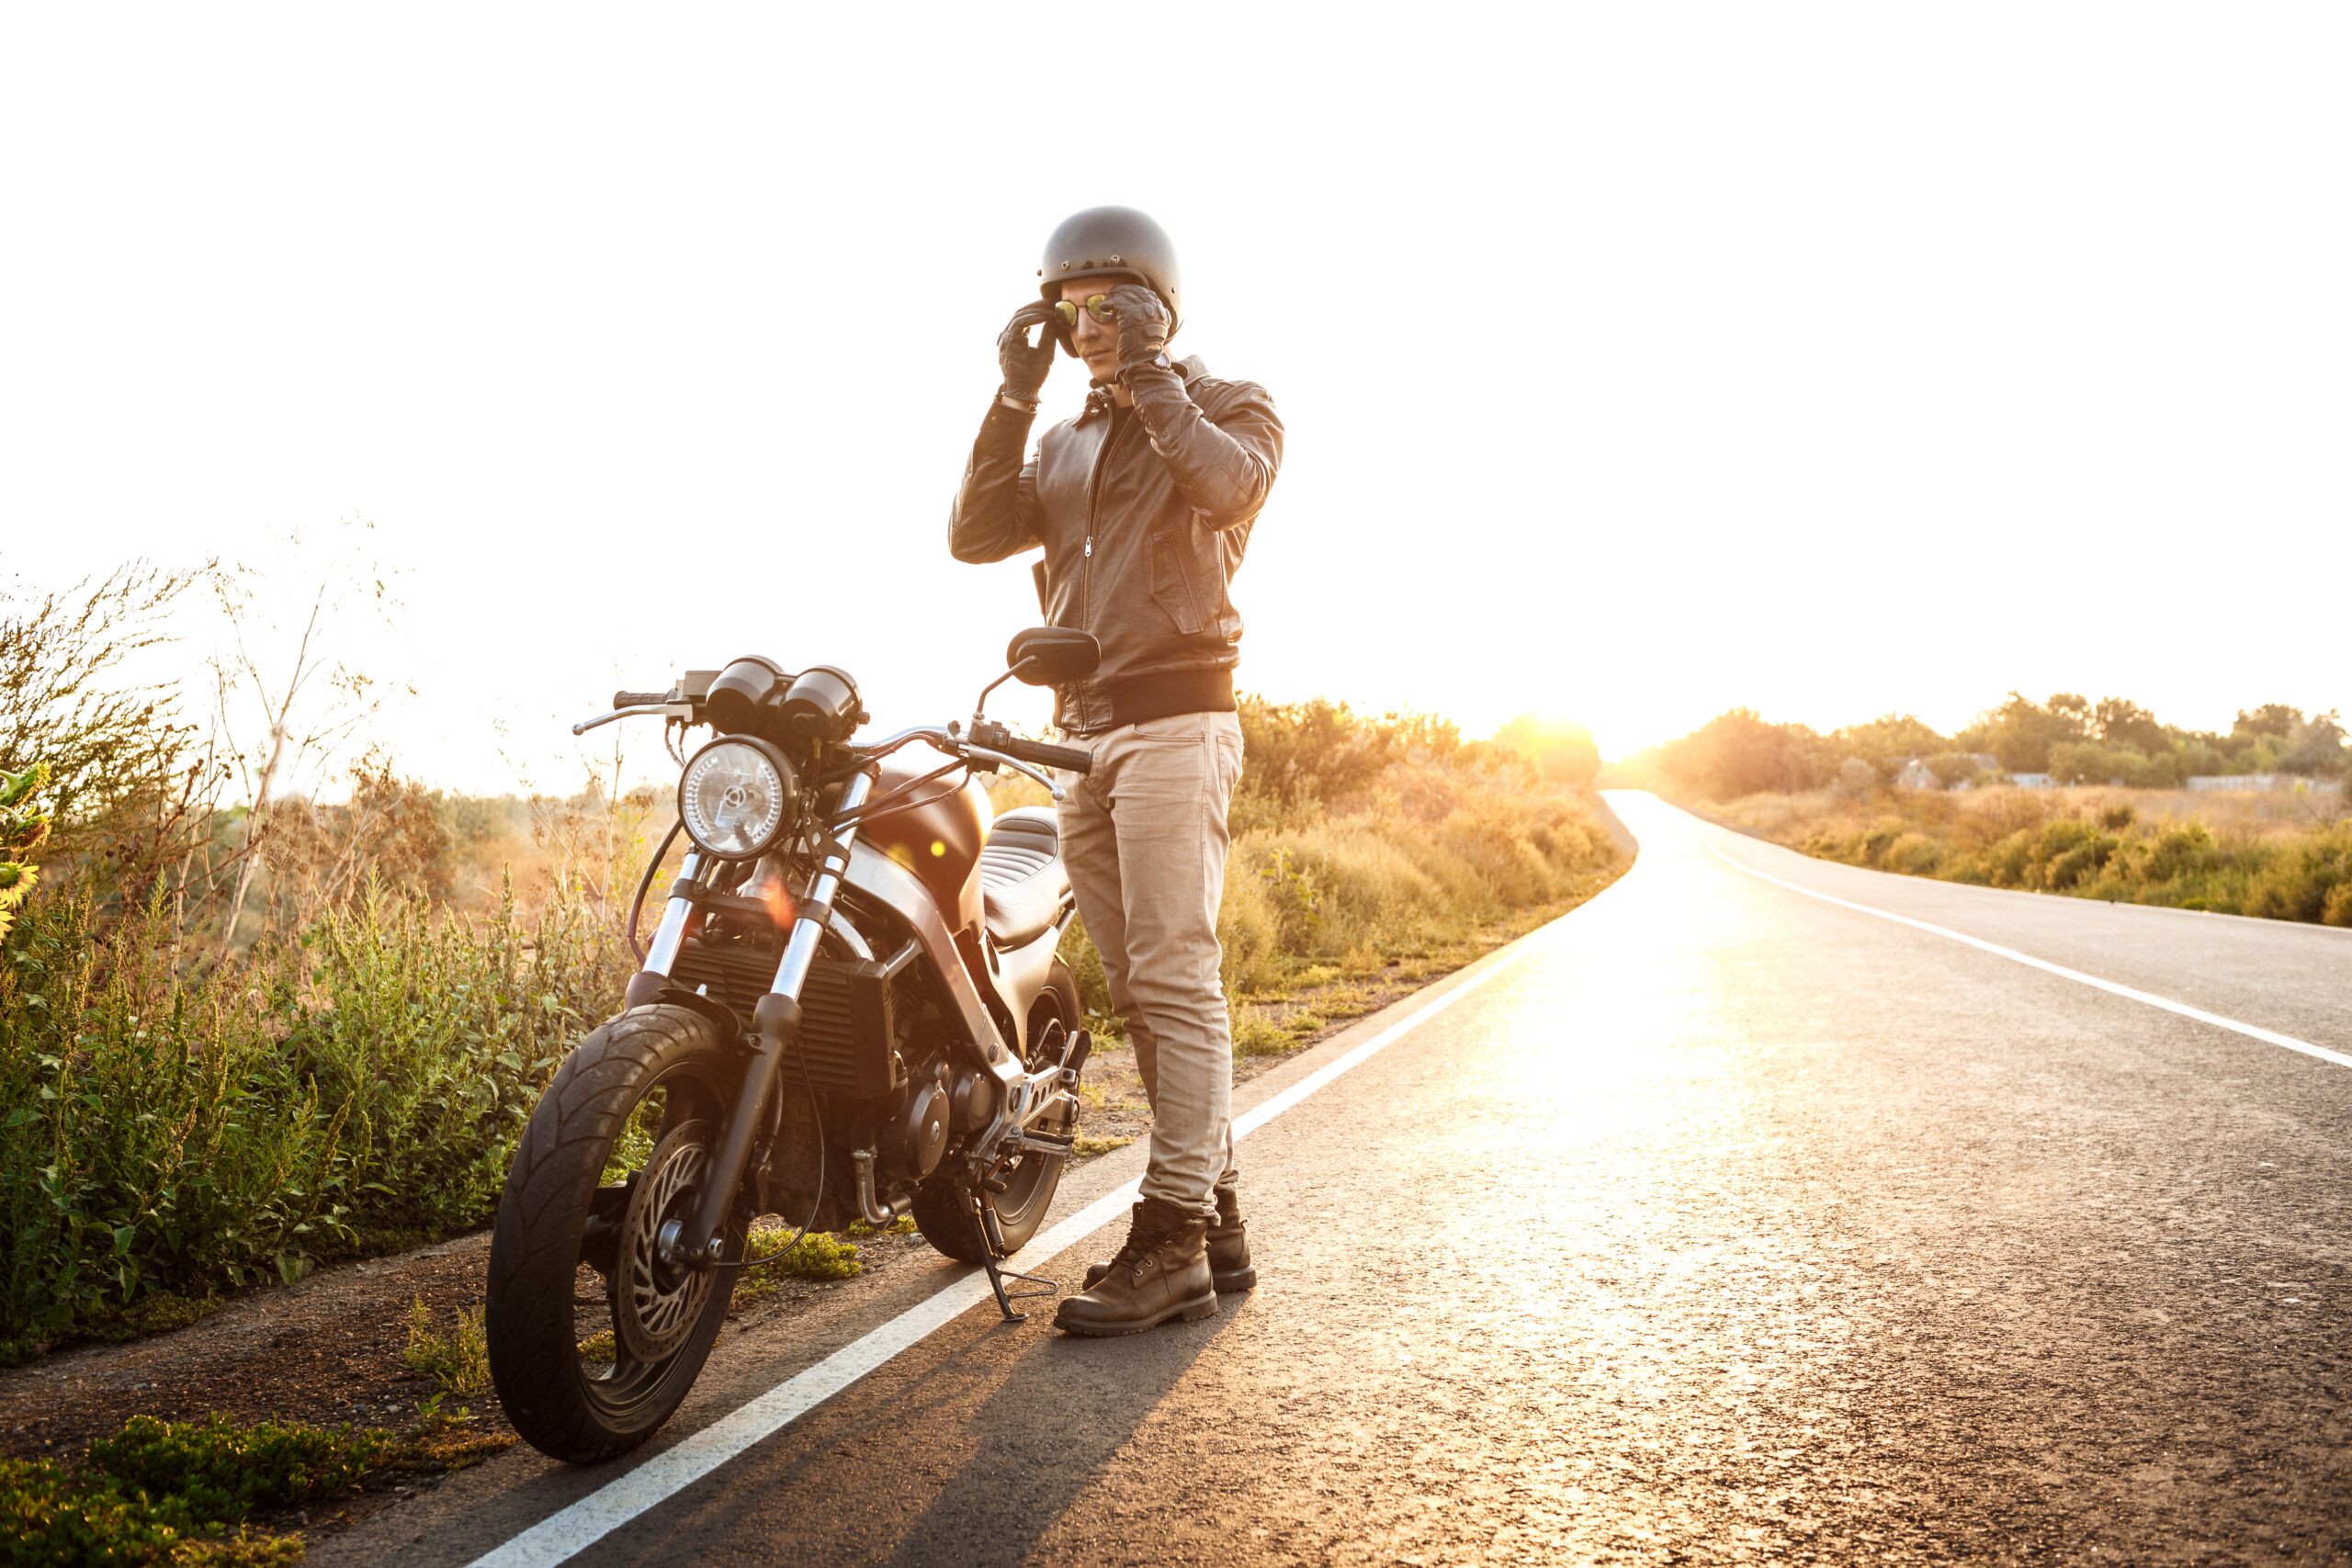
1142,505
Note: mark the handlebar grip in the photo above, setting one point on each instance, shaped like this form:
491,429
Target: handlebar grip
1070,758
638,699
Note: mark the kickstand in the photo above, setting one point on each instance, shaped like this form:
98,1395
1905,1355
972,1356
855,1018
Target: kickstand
991,1249
1005,1298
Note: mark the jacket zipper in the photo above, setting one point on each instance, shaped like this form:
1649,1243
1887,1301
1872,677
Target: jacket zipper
1093,499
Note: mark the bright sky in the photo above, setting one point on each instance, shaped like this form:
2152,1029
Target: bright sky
1638,361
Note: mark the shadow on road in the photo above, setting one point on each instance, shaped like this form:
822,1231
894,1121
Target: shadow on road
1053,1424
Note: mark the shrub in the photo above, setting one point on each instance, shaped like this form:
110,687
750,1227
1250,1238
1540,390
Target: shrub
2303,882
164,1492
51,1514
1085,962
1914,854
1248,934
1300,758
223,1471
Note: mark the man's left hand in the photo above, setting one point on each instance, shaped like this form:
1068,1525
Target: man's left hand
1143,325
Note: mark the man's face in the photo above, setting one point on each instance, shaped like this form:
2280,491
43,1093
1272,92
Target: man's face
1097,342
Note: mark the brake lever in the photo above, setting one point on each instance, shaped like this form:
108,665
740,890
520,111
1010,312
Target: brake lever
999,758
670,710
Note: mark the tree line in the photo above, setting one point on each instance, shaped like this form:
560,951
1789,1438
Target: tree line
2070,738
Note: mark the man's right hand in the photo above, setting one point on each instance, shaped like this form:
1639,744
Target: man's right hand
1025,368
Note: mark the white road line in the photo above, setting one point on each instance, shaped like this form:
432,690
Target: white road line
2251,1032
561,1534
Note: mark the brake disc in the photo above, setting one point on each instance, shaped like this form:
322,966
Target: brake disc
655,1306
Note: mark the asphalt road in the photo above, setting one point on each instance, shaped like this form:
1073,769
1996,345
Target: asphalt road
1722,1223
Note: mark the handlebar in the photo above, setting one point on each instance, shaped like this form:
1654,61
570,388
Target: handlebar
996,737
985,739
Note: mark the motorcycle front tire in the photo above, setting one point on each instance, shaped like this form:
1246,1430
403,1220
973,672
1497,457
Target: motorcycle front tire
564,1404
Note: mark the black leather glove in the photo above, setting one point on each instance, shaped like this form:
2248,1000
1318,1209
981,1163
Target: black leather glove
1143,326
1025,368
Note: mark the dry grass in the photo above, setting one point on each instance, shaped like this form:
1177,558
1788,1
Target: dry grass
1428,867
1978,817
2278,855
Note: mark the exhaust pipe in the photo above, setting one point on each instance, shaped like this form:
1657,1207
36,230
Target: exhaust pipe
875,1213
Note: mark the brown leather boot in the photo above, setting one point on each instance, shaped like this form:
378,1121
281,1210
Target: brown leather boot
1228,1249
1229,1243
1161,1272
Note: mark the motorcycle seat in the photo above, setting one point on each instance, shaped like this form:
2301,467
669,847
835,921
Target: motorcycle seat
1023,882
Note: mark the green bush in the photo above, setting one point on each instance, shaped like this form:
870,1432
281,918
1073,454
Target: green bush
167,1132
222,1471
51,1515
177,1493
2306,881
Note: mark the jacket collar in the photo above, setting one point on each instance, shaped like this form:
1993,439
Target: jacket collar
1098,394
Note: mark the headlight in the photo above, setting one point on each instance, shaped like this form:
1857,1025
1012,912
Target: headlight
737,794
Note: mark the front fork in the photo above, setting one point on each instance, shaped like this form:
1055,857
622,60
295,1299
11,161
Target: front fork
696,1241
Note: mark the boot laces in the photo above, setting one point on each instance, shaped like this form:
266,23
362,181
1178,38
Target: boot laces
1150,1224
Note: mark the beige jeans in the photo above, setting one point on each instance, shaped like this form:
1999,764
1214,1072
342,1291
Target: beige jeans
1144,837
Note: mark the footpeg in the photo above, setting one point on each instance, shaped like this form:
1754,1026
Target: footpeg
1082,1045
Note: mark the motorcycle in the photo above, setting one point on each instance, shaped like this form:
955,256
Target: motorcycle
850,1010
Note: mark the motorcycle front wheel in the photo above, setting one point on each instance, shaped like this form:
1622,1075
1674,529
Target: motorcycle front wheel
943,1207
593,1339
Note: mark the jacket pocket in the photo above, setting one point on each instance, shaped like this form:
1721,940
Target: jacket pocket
1171,583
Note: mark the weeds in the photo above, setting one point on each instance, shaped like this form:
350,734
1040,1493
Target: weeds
903,1225
458,1359
1257,1034
817,1256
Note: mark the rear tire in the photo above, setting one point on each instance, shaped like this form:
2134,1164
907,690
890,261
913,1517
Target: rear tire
568,1406
943,1207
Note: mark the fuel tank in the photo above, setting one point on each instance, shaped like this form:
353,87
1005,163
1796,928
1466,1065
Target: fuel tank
936,834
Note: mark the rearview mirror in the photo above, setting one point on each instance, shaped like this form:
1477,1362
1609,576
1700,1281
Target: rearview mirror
1048,656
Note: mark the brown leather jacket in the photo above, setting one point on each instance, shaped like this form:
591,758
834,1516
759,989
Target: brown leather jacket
1142,532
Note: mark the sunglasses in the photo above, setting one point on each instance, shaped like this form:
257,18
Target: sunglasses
1097,306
